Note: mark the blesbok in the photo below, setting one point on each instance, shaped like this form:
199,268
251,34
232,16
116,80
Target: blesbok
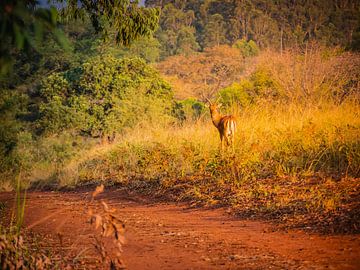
225,124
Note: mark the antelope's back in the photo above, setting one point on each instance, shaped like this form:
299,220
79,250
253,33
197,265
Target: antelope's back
229,125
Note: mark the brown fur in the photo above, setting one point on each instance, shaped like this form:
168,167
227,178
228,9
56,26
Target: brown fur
226,124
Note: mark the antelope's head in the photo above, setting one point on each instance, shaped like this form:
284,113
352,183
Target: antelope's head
214,107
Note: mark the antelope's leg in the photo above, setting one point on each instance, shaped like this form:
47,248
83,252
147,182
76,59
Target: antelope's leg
221,141
233,145
231,139
227,140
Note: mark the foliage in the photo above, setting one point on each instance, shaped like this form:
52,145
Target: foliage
189,109
176,33
202,75
265,86
275,24
314,75
103,97
129,20
186,43
214,31
146,48
247,48
22,27
24,24
237,93
12,106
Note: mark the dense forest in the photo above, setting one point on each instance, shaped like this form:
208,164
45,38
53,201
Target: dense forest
90,93
187,26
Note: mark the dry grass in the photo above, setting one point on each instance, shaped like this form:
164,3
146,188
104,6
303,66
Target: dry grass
290,162
315,74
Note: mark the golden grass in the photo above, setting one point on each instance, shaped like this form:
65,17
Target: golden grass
263,132
305,160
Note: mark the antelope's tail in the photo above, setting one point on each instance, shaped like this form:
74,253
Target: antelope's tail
231,127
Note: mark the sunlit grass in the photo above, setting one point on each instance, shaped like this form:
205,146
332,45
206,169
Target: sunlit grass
286,157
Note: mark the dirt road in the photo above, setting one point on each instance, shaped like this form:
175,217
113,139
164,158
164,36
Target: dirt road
173,236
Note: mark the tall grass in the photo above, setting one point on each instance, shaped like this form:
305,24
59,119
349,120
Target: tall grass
305,160
271,141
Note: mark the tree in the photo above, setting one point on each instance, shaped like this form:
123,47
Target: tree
186,42
176,33
263,29
247,48
23,23
214,31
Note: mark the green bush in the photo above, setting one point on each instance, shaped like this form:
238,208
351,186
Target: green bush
247,48
247,91
12,106
264,84
189,109
237,93
104,96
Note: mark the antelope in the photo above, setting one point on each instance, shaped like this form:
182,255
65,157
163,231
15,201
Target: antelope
225,124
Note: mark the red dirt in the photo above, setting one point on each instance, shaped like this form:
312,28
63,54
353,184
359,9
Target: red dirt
173,236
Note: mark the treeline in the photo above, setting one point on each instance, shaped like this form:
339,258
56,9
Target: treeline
188,26
191,25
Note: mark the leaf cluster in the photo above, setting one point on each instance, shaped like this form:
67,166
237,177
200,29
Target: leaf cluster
129,20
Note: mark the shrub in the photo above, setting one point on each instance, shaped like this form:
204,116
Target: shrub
105,96
247,48
264,84
314,76
12,106
237,94
259,85
189,109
